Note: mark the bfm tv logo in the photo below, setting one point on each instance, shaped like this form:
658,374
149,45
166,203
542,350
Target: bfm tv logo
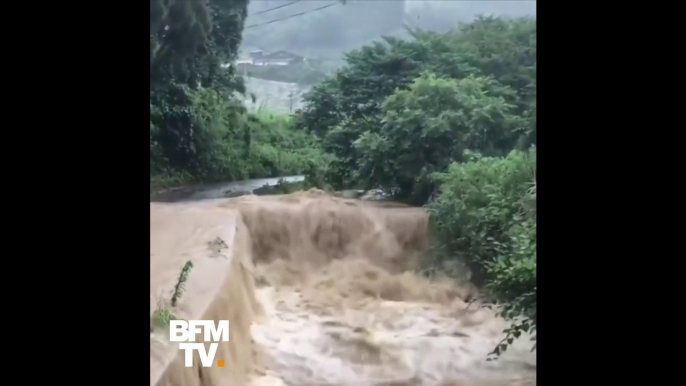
185,331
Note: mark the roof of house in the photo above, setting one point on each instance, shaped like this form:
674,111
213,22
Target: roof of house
282,54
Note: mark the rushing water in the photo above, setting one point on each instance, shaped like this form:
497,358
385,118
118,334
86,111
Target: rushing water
343,304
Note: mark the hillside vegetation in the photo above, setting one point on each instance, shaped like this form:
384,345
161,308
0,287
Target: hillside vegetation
200,130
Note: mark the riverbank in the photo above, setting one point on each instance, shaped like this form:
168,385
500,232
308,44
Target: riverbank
159,183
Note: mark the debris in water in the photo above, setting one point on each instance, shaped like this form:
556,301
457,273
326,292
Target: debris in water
216,247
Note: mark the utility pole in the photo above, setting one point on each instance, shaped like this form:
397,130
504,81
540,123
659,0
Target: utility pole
290,102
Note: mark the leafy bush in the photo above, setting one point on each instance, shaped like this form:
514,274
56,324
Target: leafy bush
485,216
223,142
278,149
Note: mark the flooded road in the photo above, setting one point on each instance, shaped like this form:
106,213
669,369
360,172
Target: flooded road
220,190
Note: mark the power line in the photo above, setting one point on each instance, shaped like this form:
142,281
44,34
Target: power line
293,15
271,9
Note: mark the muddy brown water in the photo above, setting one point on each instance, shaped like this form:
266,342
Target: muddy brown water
342,304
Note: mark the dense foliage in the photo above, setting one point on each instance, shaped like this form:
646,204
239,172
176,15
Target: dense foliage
278,149
429,125
485,215
490,64
199,128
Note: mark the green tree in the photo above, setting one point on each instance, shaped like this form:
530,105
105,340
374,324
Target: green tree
427,126
349,107
190,41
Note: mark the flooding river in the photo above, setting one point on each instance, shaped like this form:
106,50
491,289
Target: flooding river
342,304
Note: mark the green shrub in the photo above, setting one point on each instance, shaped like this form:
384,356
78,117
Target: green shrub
485,216
278,149
225,143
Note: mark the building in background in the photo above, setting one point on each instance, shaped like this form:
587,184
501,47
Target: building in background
278,58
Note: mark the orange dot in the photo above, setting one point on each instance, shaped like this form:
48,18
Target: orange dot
220,363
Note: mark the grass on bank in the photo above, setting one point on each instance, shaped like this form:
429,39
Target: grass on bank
164,312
